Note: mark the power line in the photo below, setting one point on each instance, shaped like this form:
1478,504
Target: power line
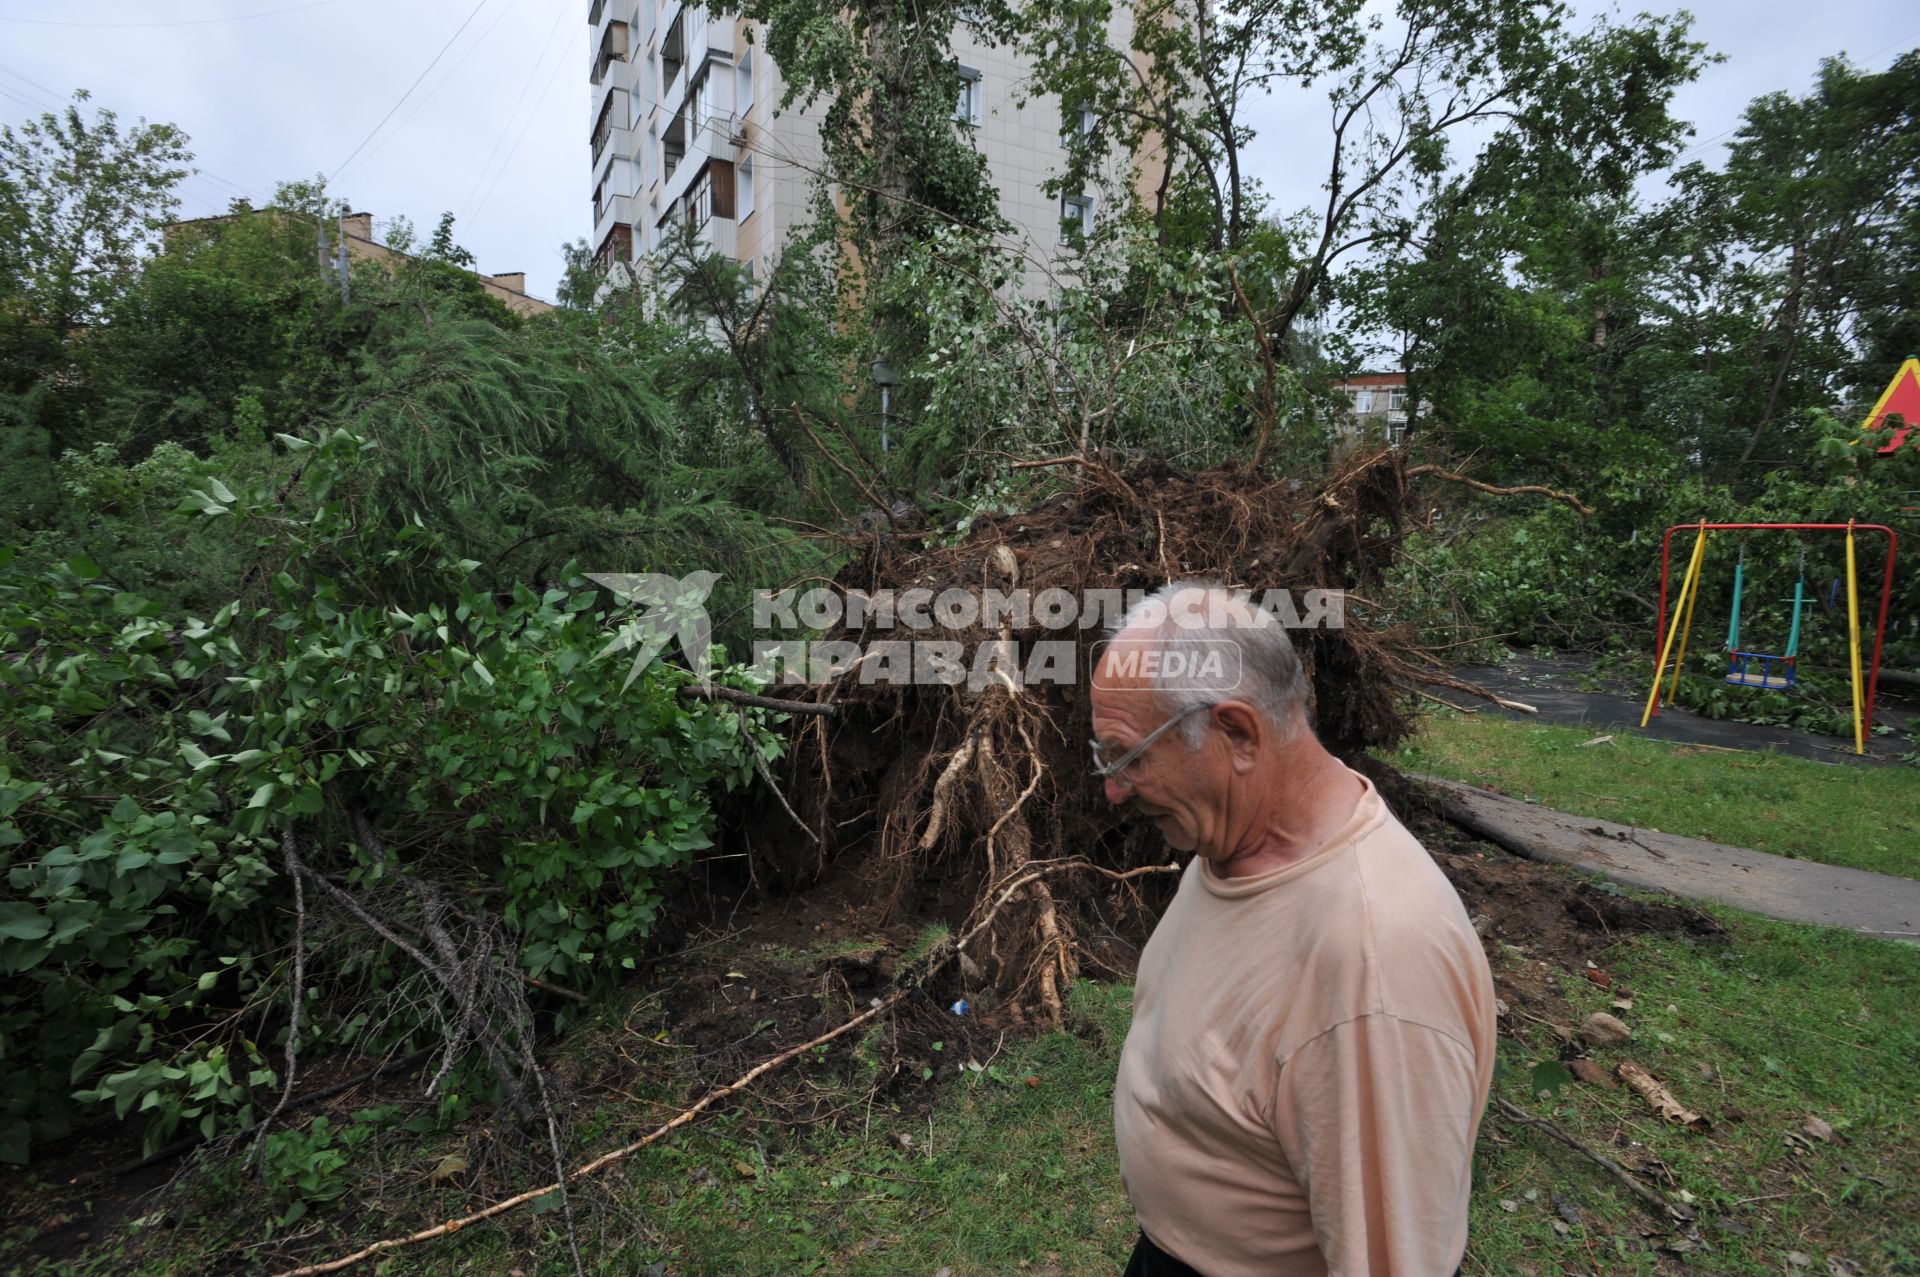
428,96
416,84
525,85
183,22
43,101
553,76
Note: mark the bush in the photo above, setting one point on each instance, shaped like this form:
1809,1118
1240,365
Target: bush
150,766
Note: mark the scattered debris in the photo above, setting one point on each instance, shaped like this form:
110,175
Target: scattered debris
1592,1074
1661,1098
1563,1207
1602,1029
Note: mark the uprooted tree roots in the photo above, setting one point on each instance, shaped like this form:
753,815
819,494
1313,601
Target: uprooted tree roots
943,784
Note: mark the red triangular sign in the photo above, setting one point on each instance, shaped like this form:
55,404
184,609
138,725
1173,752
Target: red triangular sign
1902,399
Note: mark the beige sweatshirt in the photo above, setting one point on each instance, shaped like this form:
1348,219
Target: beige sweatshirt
1308,1063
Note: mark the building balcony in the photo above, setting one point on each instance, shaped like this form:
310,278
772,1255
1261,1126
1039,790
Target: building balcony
612,48
610,126
609,212
693,40
717,236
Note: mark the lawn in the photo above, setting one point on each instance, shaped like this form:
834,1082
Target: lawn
987,1155
1865,817
1013,1170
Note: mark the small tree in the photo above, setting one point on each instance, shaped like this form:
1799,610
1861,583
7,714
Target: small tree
80,202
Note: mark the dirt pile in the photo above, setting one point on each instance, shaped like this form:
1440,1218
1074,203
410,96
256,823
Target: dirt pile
948,794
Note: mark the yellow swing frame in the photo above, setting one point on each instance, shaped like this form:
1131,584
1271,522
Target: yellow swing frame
1690,592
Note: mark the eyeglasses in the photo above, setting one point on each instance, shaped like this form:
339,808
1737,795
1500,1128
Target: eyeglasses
1111,771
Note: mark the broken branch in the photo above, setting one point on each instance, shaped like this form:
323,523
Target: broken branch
1438,473
738,697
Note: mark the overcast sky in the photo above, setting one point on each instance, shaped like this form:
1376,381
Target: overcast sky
495,130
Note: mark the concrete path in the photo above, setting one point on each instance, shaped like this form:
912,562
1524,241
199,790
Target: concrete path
1776,886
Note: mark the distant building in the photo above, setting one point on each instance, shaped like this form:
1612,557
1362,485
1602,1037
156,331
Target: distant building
682,130
1377,407
353,232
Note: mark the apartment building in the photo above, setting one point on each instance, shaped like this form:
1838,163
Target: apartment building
1378,407
683,128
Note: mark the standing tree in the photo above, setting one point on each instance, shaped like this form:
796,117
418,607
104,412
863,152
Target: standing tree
80,203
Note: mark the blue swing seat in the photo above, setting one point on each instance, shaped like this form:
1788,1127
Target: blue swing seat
1761,669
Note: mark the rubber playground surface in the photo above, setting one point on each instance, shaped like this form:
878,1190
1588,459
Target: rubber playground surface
1553,686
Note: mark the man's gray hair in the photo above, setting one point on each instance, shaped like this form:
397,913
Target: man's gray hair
1271,678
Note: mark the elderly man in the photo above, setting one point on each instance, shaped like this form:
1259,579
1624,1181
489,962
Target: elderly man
1313,1028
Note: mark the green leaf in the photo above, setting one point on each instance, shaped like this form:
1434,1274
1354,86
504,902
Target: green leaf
21,921
83,567
126,811
221,491
1549,1076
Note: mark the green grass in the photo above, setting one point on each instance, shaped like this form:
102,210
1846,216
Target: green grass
1863,817
1001,1177
1759,1030
1794,1022
1004,1178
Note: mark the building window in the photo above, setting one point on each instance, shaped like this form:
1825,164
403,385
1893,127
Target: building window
1363,401
967,107
702,98
1076,217
1396,400
743,179
712,193
673,51
743,87
1076,123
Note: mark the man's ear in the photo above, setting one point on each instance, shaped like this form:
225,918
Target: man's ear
1245,729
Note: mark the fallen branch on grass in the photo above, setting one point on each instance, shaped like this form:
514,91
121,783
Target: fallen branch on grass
935,960
1660,1097
1514,1113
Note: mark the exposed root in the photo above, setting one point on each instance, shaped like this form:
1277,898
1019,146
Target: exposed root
942,792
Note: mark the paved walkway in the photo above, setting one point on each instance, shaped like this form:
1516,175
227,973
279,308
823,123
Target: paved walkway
1562,690
1775,886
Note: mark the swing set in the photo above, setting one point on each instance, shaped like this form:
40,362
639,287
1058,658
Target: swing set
1747,668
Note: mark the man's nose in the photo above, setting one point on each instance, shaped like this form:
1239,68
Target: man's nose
1117,793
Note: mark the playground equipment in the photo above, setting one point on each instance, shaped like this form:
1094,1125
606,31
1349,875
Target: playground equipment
1762,669
1773,670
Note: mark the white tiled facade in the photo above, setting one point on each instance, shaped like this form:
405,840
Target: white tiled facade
683,126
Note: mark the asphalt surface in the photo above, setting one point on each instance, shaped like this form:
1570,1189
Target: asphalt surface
1554,687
